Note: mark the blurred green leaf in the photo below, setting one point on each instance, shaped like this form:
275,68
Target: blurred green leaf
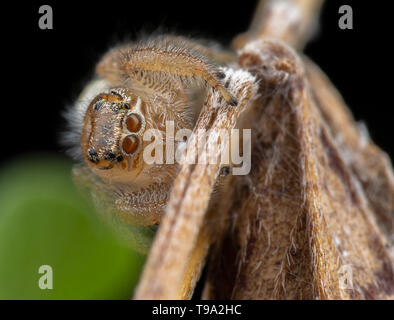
44,221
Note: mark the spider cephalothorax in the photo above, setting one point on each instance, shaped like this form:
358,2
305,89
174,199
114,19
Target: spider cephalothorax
112,144
112,131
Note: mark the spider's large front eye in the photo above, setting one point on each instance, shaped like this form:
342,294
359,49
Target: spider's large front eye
130,144
133,122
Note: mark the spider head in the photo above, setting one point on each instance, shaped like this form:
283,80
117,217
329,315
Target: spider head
112,132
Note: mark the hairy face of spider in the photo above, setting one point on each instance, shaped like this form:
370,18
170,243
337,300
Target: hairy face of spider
112,133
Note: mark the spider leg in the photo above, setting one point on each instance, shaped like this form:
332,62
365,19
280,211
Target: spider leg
183,62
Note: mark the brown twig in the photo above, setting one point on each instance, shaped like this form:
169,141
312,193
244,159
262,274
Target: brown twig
292,21
176,239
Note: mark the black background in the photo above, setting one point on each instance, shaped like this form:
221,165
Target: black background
44,70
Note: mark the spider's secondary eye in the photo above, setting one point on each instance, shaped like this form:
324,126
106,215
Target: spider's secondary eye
130,144
109,156
93,156
98,105
133,122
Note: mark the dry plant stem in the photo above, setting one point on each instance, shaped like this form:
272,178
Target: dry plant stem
176,238
320,196
196,262
292,21
266,17
314,203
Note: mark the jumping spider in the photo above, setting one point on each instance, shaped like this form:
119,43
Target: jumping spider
140,86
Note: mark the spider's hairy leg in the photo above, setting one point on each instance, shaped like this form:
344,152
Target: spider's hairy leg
146,214
211,50
143,207
128,205
173,60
